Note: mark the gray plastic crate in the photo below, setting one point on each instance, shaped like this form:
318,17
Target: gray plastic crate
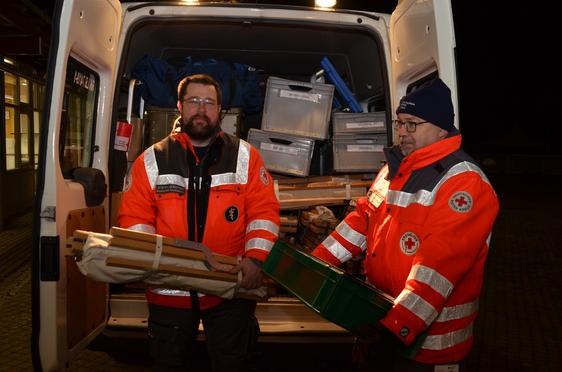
359,152
297,108
365,122
283,153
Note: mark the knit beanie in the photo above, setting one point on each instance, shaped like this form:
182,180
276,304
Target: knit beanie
431,102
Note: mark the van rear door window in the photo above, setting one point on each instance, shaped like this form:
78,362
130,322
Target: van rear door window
78,117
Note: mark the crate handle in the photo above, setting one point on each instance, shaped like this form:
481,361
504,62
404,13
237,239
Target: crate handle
281,141
300,88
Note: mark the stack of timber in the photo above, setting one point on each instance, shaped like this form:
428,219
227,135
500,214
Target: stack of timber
299,193
289,224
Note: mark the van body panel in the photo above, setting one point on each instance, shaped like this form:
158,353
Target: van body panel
380,56
88,32
423,42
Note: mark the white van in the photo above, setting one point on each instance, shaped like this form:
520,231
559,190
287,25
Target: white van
95,46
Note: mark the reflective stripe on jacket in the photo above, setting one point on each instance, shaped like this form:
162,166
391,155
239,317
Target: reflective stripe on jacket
425,226
242,214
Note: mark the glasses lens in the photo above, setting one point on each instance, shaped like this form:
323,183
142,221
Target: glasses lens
196,101
410,126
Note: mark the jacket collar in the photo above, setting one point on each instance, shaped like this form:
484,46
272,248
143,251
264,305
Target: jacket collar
185,141
420,158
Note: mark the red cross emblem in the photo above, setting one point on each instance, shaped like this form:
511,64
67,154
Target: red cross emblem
461,202
409,243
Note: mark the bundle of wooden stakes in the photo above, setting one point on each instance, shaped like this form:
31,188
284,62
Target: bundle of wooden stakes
144,242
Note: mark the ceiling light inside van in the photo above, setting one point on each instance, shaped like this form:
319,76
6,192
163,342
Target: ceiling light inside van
190,1
325,3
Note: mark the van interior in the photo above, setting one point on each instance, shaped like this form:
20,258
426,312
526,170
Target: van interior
278,49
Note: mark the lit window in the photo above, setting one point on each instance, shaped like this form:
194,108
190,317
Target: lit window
10,88
24,90
10,116
21,121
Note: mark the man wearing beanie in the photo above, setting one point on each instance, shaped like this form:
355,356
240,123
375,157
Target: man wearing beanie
425,226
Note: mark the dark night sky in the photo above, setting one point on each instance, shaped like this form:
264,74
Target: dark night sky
509,91
509,95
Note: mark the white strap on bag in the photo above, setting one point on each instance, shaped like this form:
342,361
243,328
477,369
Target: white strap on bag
157,252
276,189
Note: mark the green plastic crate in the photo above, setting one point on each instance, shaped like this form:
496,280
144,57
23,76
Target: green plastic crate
335,295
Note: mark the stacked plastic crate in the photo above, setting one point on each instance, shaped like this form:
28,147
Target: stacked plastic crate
295,114
358,141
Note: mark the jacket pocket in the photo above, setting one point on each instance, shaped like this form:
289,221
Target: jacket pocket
169,345
225,225
172,210
414,215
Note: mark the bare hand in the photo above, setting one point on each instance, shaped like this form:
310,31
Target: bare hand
252,276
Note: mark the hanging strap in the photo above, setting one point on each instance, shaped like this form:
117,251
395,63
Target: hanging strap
157,252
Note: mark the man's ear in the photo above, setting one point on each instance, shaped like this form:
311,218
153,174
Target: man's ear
179,106
443,133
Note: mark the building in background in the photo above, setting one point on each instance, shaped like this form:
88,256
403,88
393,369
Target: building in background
25,28
21,104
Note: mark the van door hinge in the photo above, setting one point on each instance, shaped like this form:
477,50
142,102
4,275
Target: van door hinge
50,268
48,213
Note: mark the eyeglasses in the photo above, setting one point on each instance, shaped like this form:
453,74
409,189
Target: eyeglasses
196,101
410,125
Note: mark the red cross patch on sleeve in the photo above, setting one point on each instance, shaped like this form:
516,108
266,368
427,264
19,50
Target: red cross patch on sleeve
409,243
461,202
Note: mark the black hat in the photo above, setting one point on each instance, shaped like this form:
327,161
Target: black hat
431,102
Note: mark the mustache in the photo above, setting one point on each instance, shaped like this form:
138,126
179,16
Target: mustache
200,116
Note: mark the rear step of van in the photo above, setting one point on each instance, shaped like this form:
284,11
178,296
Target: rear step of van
281,320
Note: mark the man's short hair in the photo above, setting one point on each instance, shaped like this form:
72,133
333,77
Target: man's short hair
203,79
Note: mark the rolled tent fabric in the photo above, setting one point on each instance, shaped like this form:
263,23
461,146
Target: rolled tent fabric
99,260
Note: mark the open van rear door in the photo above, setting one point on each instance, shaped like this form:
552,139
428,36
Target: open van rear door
69,310
422,42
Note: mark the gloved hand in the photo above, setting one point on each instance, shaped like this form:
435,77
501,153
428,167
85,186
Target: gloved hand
375,347
252,276
379,334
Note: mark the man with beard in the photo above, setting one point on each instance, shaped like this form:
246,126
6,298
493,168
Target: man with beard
425,227
203,185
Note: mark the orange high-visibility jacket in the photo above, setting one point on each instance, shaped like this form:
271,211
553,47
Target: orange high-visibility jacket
425,227
242,211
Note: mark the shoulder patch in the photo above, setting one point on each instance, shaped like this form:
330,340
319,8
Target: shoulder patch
461,202
409,243
263,176
128,182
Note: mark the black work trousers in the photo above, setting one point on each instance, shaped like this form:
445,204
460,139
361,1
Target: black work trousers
231,332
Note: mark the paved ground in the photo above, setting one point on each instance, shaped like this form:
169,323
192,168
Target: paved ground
519,329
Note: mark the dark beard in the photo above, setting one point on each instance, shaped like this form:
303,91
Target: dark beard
199,132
